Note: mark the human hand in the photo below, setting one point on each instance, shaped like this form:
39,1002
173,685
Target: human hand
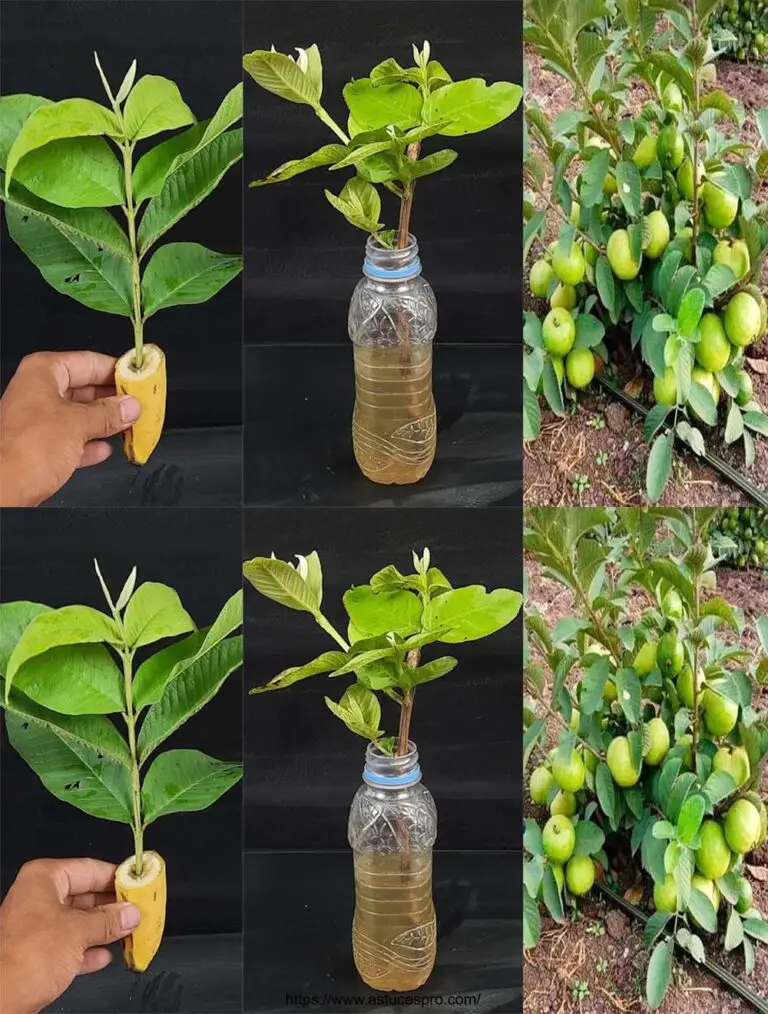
54,921
54,415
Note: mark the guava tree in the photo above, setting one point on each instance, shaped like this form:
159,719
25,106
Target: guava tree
661,238
660,746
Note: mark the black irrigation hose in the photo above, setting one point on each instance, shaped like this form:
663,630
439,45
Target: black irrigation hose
721,974
727,472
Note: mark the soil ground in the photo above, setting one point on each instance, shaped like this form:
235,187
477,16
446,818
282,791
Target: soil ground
597,454
596,963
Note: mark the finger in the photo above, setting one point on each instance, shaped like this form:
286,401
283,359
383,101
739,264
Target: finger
92,899
107,923
94,453
108,416
79,876
92,392
94,960
82,369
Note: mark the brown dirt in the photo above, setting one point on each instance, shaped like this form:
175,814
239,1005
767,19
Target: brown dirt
596,963
577,460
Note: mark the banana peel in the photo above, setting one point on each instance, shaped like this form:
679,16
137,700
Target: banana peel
148,893
148,386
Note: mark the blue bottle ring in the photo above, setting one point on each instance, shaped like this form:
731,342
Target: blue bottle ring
392,274
391,781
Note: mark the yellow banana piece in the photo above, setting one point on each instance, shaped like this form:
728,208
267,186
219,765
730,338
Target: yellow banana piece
148,894
148,387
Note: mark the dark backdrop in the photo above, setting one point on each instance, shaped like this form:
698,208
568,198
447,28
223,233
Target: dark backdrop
47,49
47,556
303,765
302,257
303,261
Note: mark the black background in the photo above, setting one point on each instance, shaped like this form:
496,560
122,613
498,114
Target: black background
302,764
303,261
47,49
47,556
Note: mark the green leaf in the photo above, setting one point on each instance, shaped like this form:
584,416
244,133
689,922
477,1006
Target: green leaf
279,581
757,421
71,771
734,932
703,911
182,781
654,926
722,609
628,692
95,732
188,186
659,466
359,710
589,331
328,662
691,309
659,974
593,684
431,670
551,893
690,818
154,612
188,692
532,839
472,105
531,921
358,661
593,178
15,110
154,104
92,224
70,118
375,613
757,928
629,187
471,613
279,74
589,839
702,402
57,627
359,203
531,414
15,617
375,106
606,794
76,172
361,152
606,287
80,679
73,264
734,425
164,159
180,274
433,163
329,154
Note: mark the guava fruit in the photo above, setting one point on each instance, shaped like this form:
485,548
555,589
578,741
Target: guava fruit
645,660
734,254
665,388
569,267
540,784
720,207
734,761
645,153
671,148
659,229
540,278
713,857
659,747
619,252
564,297
665,895
580,368
713,349
559,332
564,804
743,320
619,760
720,713
670,655
580,875
569,772
743,827
558,839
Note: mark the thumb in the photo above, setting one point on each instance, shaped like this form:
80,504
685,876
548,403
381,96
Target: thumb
107,416
106,923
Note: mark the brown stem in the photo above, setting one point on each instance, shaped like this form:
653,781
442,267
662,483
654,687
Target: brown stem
406,708
406,204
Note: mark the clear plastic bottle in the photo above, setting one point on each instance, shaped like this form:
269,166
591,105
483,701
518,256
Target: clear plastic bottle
392,322
392,829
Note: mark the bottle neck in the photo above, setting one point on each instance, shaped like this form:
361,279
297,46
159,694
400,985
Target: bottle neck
384,772
383,264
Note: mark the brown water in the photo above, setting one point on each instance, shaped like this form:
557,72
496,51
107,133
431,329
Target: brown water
394,428
394,934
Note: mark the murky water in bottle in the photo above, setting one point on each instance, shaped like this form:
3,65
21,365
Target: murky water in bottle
394,426
394,933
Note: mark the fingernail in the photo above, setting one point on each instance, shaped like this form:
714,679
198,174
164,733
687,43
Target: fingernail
130,409
130,917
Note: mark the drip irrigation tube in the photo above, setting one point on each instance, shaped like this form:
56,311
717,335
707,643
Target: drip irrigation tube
720,466
721,974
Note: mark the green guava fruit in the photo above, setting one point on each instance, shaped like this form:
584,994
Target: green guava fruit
559,332
619,760
559,839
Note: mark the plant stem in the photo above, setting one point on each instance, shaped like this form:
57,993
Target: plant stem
329,121
130,214
406,203
329,628
130,721
406,708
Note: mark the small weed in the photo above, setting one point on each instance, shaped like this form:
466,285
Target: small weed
580,483
598,423
601,458
596,930
602,965
580,990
